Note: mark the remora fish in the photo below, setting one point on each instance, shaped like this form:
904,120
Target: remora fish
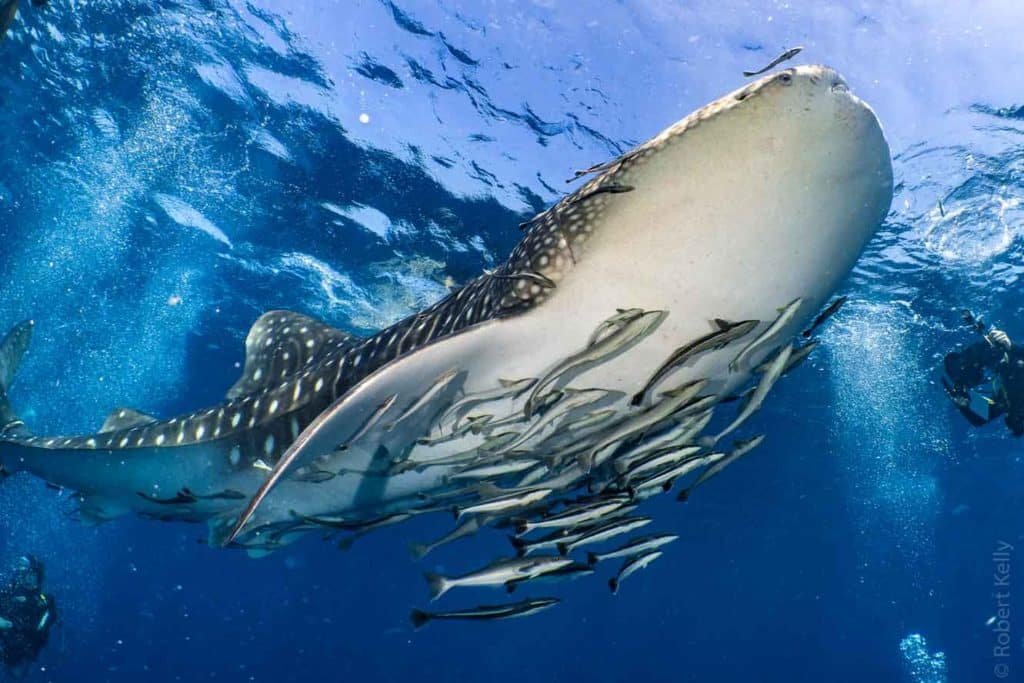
604,532
785,316
497,470
562,409
420,618
674,401
798,356
507,389
665,477
725,334
497,574
831,310
570,572
785,56
814,170
573,516
741,449
504,503
754,401
626,334
631,567
634,547
660,459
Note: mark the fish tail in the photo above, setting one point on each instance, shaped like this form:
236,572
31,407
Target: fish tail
683,496
418,618
613,584
438,585
592,558
707,441
419,550
522,526
638,397
563,548
12,350
519,544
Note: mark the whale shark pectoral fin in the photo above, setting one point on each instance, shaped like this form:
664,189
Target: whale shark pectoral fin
409,378
125,418
280,344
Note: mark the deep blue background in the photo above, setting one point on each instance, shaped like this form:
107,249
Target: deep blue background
172,169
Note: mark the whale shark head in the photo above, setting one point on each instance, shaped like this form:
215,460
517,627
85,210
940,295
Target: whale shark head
764,196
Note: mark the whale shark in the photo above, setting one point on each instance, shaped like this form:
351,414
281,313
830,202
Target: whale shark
516,393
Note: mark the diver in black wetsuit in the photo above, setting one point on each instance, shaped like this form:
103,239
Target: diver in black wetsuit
26,616
993,360
9,10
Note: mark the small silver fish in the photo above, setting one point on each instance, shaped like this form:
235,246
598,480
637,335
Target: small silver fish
497,574
620,339
439,385
569,572
829,311
508,389
671,438
786,314
674,401
573,516
725,333
604,532
375,418
633,548
505,503
741,449
573,400
549,542
754,401
800,354
493,471
533,476
420,618
785,56
663,479
625,315
631,567
660,459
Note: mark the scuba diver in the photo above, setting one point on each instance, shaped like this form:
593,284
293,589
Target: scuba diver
995,360
9,10
26,616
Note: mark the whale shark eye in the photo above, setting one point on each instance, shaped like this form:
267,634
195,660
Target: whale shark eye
785,78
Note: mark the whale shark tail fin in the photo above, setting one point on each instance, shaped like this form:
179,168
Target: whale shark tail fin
12,350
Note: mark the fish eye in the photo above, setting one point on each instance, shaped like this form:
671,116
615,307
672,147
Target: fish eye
785,78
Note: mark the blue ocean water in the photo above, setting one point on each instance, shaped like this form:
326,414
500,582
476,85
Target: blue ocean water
170,170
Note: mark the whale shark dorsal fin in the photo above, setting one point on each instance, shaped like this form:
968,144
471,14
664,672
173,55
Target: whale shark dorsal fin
12,350
125,418
282,343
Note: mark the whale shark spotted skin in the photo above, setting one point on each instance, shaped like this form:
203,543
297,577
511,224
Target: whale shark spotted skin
762,198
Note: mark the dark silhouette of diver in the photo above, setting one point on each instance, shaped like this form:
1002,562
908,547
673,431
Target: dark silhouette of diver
993,360
9,10
26,616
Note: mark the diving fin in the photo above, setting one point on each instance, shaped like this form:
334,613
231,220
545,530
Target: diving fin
12,350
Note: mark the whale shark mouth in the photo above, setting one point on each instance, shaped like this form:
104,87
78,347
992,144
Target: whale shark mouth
558,391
